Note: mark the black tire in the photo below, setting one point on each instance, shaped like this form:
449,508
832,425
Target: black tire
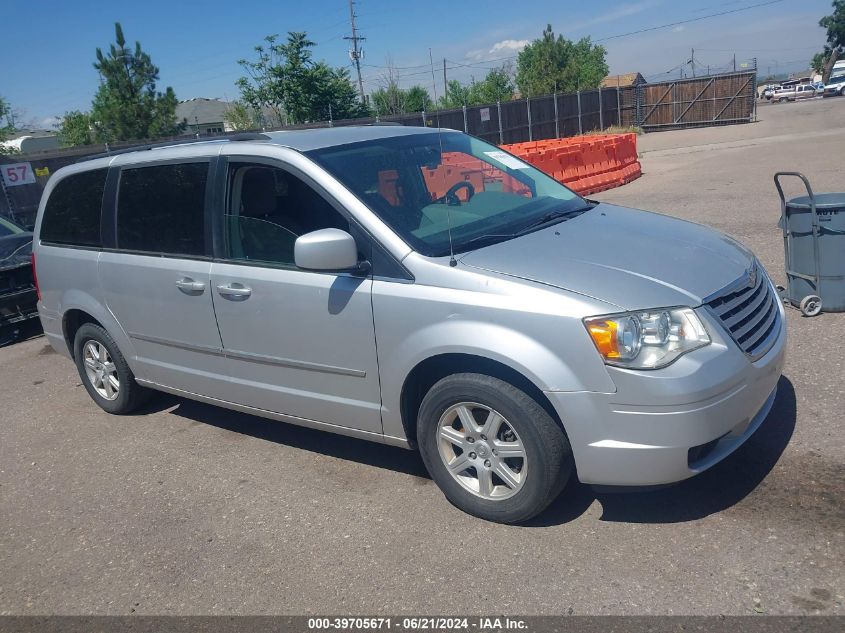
130,394
547,450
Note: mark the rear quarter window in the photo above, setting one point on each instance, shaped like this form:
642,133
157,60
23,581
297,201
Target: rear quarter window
72,212
160,209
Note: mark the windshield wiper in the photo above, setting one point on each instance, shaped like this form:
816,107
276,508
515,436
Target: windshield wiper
550,217
492,238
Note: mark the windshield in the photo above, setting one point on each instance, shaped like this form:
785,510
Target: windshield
420,190
9,228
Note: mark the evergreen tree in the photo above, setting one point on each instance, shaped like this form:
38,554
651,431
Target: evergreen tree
555,64
126,105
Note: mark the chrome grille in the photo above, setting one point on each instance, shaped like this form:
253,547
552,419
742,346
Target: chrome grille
749,312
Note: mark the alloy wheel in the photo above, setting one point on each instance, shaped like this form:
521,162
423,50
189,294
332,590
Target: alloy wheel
482,451
100,369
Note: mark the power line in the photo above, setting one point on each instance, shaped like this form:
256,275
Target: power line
699,18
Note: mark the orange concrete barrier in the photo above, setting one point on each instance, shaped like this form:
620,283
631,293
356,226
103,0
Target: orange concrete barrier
585,164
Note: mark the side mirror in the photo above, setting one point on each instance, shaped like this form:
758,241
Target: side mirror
326,250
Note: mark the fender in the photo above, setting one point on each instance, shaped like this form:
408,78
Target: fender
78,300
514,349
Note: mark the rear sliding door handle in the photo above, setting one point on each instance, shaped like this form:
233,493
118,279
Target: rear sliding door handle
234,291
189,286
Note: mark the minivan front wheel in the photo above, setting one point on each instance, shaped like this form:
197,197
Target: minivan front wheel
492,449
104,371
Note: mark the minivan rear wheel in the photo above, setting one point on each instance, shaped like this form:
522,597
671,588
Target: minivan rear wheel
491,448
104,371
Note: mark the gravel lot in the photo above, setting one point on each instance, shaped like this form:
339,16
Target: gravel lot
188,509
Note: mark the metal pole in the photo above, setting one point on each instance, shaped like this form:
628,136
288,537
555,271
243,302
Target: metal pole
355,53
557,122
331,123
499,113
528,105
618,108
466,131
601,112
580,129
423,118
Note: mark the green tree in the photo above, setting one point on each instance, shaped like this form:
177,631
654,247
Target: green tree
835,25
457,95
818,62
496,86
241,116
126,105
417,99
75,129
555,64
285,79
7,125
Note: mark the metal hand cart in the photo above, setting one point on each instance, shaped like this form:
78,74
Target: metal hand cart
814,248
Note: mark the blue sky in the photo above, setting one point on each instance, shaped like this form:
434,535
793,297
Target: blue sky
49,50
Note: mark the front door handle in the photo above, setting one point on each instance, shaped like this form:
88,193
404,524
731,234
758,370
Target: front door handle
234,291
189,286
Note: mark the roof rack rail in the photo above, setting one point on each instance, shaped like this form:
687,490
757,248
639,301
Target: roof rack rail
239,137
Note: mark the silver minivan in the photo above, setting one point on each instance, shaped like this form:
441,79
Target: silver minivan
415,287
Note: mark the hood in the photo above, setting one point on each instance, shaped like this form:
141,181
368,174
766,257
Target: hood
633,259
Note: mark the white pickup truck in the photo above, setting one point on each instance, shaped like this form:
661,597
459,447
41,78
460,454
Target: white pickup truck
794,93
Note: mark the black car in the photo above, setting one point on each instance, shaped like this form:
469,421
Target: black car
18,297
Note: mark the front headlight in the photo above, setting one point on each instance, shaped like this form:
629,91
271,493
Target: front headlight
647,340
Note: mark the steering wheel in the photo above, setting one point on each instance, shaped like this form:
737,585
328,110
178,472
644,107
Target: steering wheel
451,198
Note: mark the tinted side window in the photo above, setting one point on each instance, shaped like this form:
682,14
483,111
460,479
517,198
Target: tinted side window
72,214
160,209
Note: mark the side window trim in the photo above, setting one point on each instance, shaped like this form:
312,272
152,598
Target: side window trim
395,271
108,215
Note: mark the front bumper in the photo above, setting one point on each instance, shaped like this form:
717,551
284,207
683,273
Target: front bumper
667,425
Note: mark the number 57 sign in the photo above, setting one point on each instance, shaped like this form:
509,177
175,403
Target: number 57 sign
17,174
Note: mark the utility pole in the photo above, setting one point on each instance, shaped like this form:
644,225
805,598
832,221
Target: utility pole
356,53
445,85
734,62
692,61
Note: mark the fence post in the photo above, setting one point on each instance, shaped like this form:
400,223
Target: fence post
638,98
618,108
423,117
466,131
580,129
557,121
528,105
499,113
601,112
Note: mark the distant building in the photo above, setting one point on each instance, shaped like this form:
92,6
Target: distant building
203,116
623,81
29,141
804,77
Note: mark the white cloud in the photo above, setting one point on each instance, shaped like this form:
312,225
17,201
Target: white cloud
505,47
678,28
509,46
